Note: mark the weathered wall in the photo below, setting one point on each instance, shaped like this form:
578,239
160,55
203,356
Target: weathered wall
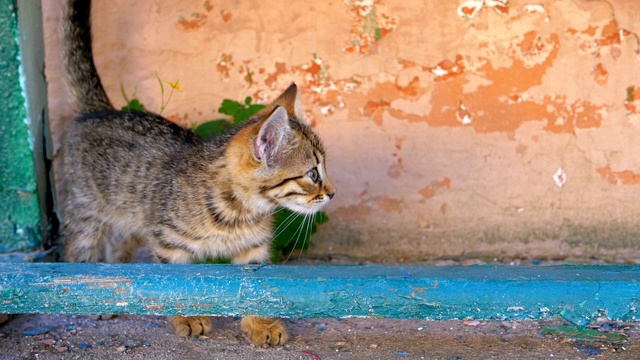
453,128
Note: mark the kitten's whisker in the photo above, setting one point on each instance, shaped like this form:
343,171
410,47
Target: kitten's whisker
307,236
307,233
285,224
294,235
300,229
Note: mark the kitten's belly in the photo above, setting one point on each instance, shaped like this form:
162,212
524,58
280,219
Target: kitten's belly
228,244
202,239
232,246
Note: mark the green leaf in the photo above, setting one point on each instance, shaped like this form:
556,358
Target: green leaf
293,232
583,334
239,112
213,128
133,104
229,107
245,113
321,217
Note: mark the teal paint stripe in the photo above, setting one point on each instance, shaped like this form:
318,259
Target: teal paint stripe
577,293
19,209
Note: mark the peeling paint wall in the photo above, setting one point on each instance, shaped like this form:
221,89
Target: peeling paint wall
470,128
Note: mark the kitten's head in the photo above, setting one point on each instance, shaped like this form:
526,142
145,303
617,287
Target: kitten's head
288,157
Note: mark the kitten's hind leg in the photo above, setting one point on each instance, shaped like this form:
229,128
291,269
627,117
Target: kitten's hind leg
121,247
84,239
264,332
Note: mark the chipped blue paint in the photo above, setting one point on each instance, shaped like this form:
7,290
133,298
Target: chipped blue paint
576,293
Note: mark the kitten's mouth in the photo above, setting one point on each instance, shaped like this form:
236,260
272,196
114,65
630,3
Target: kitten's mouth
307,209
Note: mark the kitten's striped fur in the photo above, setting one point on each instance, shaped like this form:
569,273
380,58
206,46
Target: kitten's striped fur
135,177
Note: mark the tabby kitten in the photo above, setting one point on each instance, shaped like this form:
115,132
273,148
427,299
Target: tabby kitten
136,177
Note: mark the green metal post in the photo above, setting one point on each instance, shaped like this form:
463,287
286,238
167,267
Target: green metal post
24,185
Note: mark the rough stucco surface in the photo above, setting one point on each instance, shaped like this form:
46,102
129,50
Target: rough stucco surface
453,128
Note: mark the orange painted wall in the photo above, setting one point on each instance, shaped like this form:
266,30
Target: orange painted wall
454,129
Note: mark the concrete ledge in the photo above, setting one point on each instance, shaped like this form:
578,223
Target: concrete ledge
579,294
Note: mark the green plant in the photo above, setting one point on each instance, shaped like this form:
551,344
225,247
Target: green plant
239,113
173,85
135,104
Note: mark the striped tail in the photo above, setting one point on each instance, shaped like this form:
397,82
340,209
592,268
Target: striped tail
81,74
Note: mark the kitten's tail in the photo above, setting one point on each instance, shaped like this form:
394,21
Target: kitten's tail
82,77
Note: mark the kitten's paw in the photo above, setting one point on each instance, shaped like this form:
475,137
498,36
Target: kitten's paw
191,325
263,331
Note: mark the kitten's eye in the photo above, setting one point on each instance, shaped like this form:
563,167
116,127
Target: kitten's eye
313,175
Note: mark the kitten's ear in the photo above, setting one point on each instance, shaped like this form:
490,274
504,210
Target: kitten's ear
272,135
290,100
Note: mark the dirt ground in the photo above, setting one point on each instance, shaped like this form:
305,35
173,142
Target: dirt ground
151,337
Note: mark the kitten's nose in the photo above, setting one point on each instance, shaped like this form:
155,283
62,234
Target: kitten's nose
330,195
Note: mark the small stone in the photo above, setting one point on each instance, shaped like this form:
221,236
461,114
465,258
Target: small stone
472,322
48,342
132,343
373,346
62,349
121,349
341,343
38,331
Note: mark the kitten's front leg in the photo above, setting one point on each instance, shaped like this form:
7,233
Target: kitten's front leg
183,325
264,332
191,325
261,331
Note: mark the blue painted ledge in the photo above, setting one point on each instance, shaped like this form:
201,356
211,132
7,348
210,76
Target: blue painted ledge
579,294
